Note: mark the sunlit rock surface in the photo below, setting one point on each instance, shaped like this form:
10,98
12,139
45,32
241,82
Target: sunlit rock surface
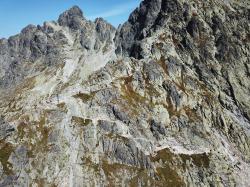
161,101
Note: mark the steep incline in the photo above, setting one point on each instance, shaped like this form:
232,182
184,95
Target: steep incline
161,101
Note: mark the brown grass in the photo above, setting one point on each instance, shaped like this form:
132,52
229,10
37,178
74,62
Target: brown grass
163,37
191,114
84,97
5,152
163,64
34,135
182,84
80,121
172,163
166,172
62,106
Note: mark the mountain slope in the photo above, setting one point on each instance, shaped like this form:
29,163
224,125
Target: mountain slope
160,101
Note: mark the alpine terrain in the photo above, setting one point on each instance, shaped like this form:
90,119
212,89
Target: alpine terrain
163,100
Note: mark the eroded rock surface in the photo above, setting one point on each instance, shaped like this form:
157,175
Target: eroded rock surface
161,101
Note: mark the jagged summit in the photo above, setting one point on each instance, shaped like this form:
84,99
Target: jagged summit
46,44
28,28
161,101
72,18
74,11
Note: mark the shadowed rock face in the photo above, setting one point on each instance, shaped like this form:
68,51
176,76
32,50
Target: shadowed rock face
161,101
138,24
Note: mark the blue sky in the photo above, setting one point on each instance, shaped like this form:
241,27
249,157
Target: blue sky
16,14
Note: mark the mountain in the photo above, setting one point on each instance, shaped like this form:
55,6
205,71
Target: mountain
163,100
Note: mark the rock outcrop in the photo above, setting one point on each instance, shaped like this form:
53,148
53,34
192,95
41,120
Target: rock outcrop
161,101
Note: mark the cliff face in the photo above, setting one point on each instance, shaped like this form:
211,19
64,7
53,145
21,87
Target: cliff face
161,101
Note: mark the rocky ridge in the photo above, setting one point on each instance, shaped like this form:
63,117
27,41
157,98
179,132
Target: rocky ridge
161,101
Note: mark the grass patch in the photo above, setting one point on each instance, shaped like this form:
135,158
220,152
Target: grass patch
135,100
80,121
199,160
86,161
112,171
62,106
84,97
182,84
166,172
149,88
191,114
5,152
132,98
209,97
172,163
163,37
27,84
35,136
162,63
171,109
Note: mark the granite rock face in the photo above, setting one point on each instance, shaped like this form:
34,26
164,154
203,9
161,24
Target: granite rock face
161,101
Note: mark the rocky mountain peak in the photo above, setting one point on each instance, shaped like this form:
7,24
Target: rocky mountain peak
150,15
28,29
72,18
74,11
